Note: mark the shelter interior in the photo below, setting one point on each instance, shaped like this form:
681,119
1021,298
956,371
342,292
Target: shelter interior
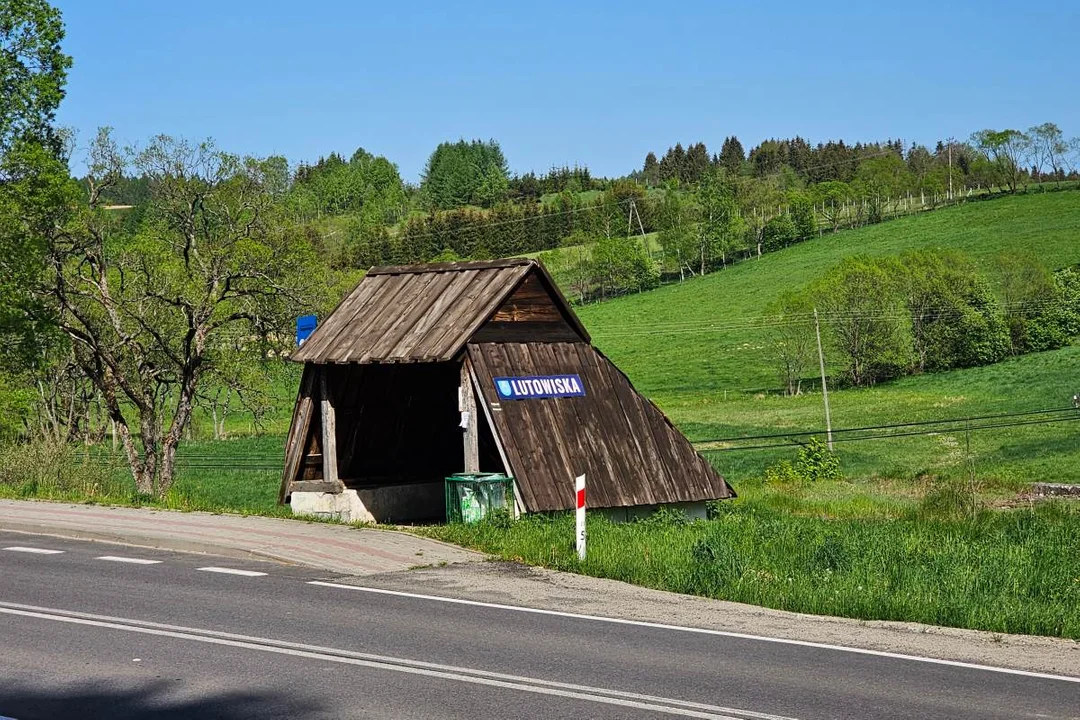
397,428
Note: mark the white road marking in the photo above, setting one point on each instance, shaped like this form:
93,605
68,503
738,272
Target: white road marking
704,631
133,561
38,551
670,706
233,571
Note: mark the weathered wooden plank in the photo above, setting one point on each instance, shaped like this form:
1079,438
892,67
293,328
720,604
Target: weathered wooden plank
634,409
525,331
329,432
460,320
432,325
390,319
384,310
626,445
406,331
485,366
575,440
623,483
468,318
325,337
448,266
485,406
637,477
317,486
472,425
296,443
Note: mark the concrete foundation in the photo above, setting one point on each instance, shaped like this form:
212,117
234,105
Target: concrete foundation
692,510
392,504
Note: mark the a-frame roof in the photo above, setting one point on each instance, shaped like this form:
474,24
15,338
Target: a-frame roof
422,313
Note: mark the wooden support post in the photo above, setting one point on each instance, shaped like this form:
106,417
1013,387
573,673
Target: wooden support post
297,443
329,431
519,503
467,406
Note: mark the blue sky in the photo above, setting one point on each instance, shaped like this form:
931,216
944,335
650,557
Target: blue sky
558,83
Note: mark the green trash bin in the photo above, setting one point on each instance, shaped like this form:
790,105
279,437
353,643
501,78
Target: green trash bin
471,496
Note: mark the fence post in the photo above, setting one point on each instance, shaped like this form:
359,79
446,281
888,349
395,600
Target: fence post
579,492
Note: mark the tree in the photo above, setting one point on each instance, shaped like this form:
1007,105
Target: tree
651,171
465,173
803,216
883,178
732,155
833,196
1048,146
778,233
148,316
33,71
767,158
721,230
676,236
864,311
791,337
955,320
1005,151
1031,300
697,163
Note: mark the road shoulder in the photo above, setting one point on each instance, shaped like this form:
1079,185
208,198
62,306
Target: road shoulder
523,586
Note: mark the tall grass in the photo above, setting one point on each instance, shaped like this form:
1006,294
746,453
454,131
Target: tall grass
49,471
1009,572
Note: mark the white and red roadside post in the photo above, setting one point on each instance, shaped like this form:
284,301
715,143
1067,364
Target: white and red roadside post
579,486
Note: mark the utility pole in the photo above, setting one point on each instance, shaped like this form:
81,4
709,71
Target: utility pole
824,387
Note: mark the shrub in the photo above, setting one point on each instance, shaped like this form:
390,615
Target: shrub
779,232
817,462
814,462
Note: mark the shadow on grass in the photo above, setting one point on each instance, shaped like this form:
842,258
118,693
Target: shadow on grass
162,700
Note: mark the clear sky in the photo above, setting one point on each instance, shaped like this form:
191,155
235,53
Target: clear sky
556,82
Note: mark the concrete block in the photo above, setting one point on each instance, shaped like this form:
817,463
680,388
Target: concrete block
390,504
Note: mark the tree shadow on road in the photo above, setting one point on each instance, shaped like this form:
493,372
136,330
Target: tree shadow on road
161,700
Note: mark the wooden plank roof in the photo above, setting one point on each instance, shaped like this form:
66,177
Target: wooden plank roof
629,451
421,313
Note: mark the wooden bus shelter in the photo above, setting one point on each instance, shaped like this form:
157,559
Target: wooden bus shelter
424,371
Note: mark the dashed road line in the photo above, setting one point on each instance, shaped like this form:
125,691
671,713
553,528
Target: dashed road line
132,560
36,551
233,571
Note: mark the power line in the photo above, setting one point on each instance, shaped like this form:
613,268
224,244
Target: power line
913,433
918,423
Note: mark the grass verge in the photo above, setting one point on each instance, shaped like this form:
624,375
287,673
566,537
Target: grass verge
1007,572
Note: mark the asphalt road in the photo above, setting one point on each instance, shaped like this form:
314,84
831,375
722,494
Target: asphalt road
86,637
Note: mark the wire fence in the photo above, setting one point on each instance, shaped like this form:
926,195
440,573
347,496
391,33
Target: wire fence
104,456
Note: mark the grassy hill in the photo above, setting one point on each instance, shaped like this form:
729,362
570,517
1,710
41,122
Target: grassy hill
697,348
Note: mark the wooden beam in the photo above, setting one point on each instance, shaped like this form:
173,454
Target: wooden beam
467,405
296,443
316,486
519,505
329,431
447,266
